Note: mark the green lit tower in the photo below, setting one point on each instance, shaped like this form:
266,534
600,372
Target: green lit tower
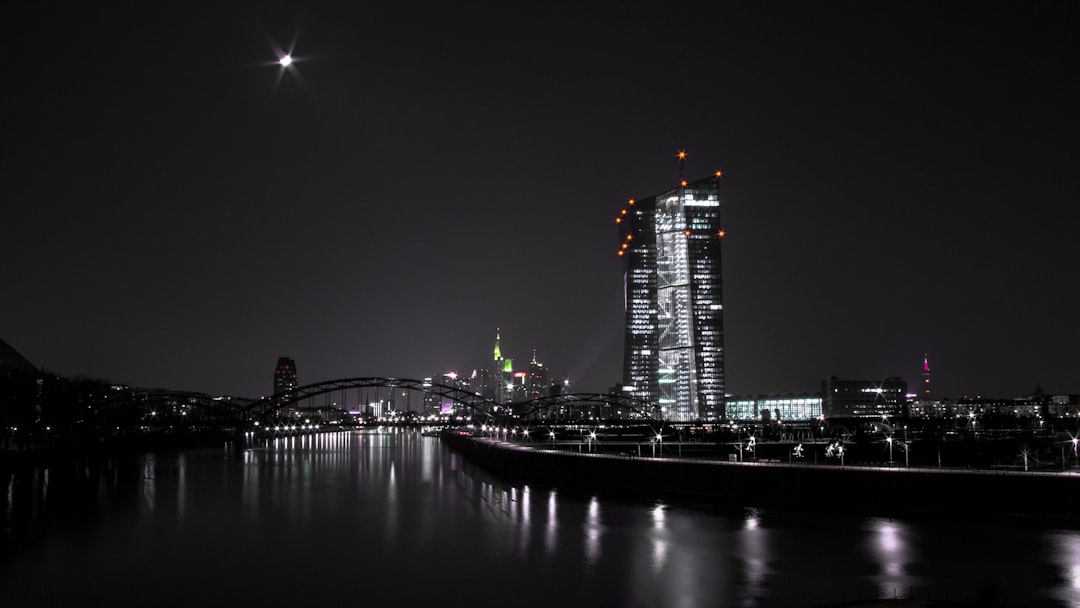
504,369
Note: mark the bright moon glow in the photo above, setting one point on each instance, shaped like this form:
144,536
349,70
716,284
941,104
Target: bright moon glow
285,61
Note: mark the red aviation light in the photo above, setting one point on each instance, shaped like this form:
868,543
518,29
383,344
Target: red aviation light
681,155
719,173
683,183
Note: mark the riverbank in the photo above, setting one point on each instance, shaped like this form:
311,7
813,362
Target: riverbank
889,491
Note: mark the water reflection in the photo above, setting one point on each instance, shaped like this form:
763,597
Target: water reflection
149,487
890,549
1067,547
592,532
552,527
181,483
406,509
754,549
659,541
524,530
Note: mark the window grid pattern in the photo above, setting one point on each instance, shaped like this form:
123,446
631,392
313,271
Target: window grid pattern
674,354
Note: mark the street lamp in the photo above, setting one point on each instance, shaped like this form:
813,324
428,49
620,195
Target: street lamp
835,449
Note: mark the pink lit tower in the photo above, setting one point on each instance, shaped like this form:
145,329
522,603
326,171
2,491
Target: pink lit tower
926,376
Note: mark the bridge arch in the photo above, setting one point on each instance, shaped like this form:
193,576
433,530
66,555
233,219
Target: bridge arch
477,407
268,406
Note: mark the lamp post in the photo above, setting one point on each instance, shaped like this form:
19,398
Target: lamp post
837,450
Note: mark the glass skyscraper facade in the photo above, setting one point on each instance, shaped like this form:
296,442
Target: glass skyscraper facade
674,349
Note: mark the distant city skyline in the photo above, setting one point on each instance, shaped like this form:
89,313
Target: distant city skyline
181,208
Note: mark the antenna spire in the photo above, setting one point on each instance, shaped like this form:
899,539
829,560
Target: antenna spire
926,375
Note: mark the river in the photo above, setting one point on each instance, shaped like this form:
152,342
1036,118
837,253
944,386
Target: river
393,517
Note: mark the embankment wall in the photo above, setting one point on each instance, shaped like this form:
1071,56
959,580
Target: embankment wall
886,491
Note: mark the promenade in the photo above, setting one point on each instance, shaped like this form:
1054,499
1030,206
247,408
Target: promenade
885,490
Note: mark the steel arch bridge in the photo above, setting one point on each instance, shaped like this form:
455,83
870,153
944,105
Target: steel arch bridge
268,406
570,405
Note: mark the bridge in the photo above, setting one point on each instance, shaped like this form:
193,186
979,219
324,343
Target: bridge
422,396
352,399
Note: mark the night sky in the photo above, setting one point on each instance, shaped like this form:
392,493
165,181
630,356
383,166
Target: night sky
899,178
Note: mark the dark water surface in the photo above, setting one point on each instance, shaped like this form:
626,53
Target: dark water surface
395,518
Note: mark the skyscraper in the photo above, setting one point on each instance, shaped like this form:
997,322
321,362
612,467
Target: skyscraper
504,369
673,294
538,379
285,376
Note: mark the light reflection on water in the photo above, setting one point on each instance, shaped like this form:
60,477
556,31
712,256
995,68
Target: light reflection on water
659,541
407,519
890,548
753,549
551,529
592,532
1068,552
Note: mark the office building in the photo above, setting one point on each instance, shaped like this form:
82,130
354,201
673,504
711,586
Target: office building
863,398
285,383
538,379
674,345
779,407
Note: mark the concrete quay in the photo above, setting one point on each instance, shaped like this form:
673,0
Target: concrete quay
1048,497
